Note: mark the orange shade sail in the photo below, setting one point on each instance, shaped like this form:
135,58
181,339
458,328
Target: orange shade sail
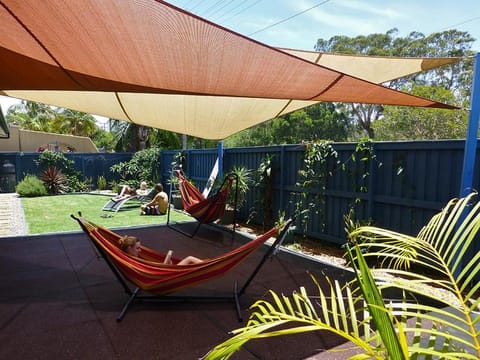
153,64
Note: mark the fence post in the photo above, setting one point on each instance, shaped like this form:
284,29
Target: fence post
472,131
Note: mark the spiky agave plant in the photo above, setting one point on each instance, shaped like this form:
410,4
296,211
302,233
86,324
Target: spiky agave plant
356,311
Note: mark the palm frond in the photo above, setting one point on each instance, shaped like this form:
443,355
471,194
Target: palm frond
339,314
436,258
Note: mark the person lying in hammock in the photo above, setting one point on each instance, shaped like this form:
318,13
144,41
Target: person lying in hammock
133,247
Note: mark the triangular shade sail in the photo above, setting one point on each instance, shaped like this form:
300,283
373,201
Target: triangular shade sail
148,62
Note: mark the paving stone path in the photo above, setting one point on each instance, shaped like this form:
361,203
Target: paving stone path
12,219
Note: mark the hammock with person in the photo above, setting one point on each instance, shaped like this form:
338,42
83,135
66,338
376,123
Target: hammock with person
204,209
149,271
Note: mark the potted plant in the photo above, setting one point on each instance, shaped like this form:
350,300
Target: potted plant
241,185
175,197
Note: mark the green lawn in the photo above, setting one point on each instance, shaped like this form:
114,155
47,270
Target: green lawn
50,214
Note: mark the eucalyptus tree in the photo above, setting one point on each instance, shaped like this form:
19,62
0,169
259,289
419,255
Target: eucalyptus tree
319,121
403,123
455,78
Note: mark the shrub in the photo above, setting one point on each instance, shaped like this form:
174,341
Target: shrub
144,166
101,183
59,161
54,181
31,186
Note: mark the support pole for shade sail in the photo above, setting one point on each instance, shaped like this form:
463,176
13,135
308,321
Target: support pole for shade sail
472,132
470,152
220,159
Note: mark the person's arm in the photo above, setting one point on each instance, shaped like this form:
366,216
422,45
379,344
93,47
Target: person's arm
168,257
122,192
154,201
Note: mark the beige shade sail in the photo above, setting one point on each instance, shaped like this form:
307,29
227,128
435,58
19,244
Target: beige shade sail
153,64
376,69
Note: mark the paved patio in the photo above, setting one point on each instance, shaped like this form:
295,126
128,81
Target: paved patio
60,301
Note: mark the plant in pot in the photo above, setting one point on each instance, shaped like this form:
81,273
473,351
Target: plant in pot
175,197
237,196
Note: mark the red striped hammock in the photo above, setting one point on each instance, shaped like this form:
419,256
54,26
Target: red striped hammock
149,273
205,210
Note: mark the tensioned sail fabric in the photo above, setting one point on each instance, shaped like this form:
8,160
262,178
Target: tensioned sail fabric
151,63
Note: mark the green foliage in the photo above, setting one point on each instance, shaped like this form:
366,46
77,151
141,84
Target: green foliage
30,186
320,162
54,180
104,140
316,121
53,159
244,179
456,78
402,123
41,117
313,179
143,166
264,183
101,183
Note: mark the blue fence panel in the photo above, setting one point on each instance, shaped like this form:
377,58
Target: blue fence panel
90,165
400,188
405,184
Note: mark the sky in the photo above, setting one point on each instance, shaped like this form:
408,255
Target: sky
298,24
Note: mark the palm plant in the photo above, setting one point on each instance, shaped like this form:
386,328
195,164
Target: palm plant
437,259
244,179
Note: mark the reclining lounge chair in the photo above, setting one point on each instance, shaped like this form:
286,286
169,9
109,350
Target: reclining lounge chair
112,205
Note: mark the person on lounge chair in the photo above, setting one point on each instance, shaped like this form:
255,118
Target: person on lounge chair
143,190
125,192
158,205
133,247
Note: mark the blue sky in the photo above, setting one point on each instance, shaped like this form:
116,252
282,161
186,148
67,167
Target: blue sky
268,20
298,24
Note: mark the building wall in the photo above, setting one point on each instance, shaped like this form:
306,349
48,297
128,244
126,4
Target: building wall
33,141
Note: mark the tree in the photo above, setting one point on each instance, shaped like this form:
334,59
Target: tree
455,78
402,123
32,116
76,123
319,121
104,140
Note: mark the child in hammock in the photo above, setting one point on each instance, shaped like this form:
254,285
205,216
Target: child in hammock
132,246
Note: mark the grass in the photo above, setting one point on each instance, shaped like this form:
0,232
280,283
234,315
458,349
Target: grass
51,214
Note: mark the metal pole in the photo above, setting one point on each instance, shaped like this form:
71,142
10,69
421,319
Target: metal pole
472,131
220,159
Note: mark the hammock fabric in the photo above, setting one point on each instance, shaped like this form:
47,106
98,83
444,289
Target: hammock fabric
148,272
205,210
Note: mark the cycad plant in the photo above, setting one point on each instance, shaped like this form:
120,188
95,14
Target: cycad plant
437,260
